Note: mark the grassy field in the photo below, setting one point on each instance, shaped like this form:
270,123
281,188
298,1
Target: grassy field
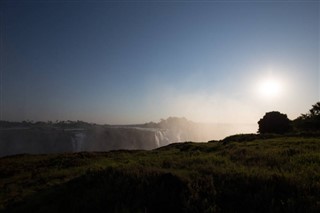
275,174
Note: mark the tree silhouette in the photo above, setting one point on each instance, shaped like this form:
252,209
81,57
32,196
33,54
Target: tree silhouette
315,111
309,121
274,122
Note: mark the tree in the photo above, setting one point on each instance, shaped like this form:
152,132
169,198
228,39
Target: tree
315,111
274,122
309,121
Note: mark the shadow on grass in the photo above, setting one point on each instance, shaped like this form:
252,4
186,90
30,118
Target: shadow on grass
111,190
138,189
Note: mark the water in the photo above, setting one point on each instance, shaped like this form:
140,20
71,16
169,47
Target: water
78,141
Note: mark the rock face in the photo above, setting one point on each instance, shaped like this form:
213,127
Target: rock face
34,141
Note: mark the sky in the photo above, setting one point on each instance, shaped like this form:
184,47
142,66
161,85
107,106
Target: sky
125,62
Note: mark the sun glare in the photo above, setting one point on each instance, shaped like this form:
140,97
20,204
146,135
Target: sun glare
270,88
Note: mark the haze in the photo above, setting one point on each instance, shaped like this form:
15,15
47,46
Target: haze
136,61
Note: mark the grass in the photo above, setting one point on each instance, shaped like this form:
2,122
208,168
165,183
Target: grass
274,174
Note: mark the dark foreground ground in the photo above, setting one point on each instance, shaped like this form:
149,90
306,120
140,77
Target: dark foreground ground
279,174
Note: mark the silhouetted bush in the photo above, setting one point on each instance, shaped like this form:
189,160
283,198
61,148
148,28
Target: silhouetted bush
274,122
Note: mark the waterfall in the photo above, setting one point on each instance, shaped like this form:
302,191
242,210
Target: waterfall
78,141
157,140
161,138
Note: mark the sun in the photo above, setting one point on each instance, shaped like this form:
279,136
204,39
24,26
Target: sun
269,88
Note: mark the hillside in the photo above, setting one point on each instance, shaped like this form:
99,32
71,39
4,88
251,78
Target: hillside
280,174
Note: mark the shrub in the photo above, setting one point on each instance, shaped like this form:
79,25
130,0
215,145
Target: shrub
274,122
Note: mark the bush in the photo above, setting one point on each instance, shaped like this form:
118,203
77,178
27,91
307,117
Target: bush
274,122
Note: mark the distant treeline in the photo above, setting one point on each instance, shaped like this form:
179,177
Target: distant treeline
49,124
164,123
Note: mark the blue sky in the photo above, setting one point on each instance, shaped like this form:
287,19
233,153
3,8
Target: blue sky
139,61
